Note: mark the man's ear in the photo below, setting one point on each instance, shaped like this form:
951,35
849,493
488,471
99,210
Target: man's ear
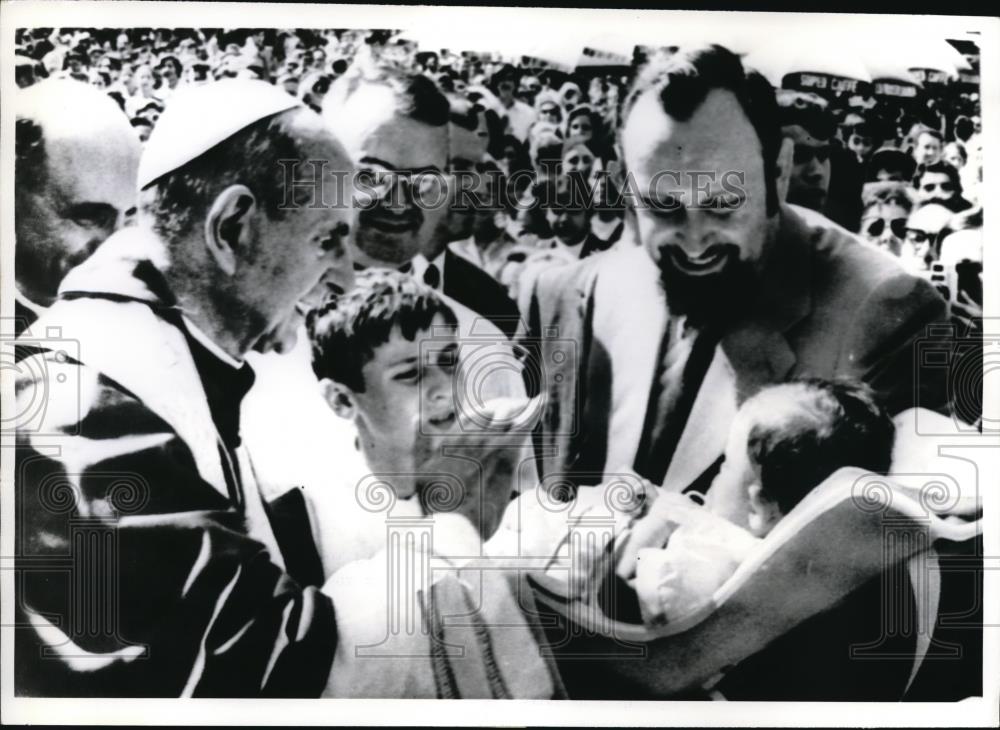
339,397
783,168
227,227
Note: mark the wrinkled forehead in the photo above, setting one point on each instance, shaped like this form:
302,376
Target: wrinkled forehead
717,138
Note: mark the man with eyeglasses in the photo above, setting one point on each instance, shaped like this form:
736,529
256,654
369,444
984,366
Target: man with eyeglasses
405,138
886,206
939,183
923,226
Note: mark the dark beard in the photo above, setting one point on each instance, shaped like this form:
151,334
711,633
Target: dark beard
713,299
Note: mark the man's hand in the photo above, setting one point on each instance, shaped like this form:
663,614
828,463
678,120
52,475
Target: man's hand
470,467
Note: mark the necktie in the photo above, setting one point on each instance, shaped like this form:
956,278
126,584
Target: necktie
432,276
685,354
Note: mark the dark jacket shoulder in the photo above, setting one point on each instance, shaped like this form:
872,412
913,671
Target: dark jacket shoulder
467,284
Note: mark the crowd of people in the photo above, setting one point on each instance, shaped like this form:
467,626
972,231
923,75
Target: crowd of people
739,336
545,123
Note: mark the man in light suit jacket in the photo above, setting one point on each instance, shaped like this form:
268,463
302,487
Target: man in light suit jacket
722,290
647,350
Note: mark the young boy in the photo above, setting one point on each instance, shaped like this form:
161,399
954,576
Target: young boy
384,354
785,441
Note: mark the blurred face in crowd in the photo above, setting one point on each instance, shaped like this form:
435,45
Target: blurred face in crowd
581,126
596,93
400,164
408,388
83,192
570,225
810,178
927,150
169,75
922,228
143,80
466,149
549,112
530,86
570,95
953,156
105,66
505,90
936,186
884,226
577,159
862,145
705,242
293,48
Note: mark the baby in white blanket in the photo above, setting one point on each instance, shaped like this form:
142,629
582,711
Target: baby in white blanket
784,442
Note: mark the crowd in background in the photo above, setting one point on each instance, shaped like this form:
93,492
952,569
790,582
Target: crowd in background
820,328
899,165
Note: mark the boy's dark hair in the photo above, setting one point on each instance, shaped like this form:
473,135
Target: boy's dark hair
346,330
805,430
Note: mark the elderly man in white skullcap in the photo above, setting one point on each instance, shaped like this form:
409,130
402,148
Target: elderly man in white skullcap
212,595
74,181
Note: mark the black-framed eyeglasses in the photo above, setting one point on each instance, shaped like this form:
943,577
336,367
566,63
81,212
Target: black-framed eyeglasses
877,227
915,235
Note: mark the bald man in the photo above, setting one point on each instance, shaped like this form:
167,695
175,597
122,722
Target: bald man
214,596
74,181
